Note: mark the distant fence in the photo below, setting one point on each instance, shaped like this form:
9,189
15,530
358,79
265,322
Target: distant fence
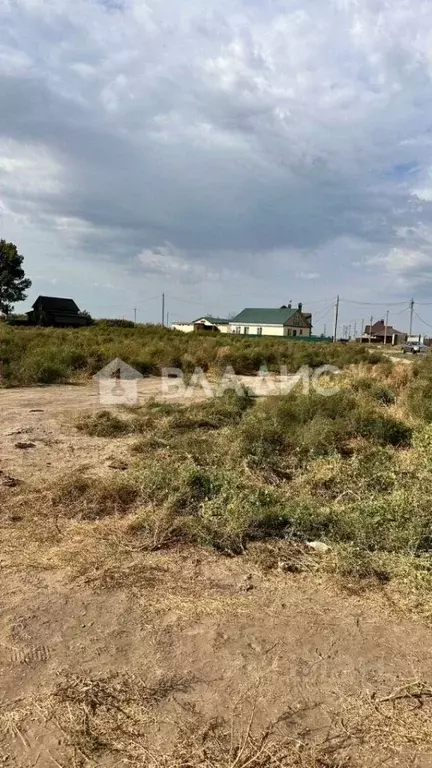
309,339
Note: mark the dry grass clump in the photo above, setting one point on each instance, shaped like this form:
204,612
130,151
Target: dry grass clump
168,420
122,717
105,424
91,498
96,717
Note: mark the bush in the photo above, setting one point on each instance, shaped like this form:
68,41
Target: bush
51,373
302,426
383,394
382,429
214,507
377,391
114,323
214,413
420,398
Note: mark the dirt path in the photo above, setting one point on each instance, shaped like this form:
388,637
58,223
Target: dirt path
58,399
289,648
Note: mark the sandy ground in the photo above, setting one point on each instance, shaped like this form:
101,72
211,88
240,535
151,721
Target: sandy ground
289,646
43,418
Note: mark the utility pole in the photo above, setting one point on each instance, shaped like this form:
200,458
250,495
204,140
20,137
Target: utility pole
325,330
135,313
386,326
163,310
336,318
355,330
168,319
411,316
370,330
349,333
362,330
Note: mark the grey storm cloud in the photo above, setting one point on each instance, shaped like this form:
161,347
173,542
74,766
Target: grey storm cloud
190,140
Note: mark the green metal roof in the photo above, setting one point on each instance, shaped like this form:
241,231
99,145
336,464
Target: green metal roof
213,320
265,316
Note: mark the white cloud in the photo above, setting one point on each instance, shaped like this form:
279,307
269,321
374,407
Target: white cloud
27,169
407,269
307,275
402,260
13,62
170,262
275,141
165,259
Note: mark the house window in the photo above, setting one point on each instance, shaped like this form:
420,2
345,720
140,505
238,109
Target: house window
246,330
238,329
294,333
259,331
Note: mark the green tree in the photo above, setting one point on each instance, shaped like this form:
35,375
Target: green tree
13,282
87,316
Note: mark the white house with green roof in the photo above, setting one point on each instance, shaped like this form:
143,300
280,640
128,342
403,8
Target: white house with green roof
285,321
207,323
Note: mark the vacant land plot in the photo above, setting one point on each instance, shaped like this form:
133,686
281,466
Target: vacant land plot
48,356
233,582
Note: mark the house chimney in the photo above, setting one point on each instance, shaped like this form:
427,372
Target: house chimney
300,306
289,305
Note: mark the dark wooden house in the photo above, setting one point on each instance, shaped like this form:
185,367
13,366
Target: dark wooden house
379,333
53,311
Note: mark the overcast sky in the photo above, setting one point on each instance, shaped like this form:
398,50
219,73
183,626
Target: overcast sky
230,153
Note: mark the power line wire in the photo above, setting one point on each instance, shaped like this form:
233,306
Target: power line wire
318,301
374,303
322,316
421,320
144,301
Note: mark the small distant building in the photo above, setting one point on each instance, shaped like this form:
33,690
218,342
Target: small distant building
207,324
54,311
284,321
419,338
377,334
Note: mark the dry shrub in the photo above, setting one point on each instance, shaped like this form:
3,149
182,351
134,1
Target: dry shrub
116,716
91,498
104,424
